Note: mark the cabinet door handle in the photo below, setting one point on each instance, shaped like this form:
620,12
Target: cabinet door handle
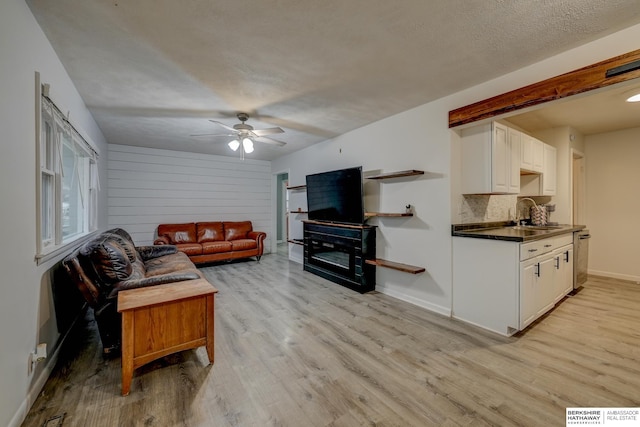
566,256
557,263
537,272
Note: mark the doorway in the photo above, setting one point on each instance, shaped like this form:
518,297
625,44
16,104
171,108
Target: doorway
577,187
282,181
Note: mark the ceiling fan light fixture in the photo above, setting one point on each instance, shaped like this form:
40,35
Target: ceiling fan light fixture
234,144
247,145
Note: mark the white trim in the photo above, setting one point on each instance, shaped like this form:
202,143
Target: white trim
620,276
63,135
62,249
415,301
41,380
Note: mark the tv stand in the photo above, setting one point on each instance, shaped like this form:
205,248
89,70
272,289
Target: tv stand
339,253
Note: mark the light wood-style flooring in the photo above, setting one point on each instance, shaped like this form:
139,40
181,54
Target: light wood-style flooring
293,349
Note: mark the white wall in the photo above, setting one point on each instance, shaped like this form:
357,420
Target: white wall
420,139
387,146
613,205
26,313
148,187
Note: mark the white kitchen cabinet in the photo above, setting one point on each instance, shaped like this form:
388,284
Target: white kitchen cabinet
512,166
563,263
537,280
504,286
531,153
542,181
528,288
537,288
549,171
490,160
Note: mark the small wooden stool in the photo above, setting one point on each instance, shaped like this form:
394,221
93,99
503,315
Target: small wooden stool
164,319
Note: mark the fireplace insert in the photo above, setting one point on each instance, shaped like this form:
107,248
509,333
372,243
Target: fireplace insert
338,253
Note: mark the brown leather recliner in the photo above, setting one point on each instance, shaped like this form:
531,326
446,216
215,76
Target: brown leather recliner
110,263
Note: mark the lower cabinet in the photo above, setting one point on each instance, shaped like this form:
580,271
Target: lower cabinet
505,286
564,271
537,288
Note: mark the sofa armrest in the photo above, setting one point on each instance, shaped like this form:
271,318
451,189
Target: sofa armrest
257,235
162,240
152,281
150,252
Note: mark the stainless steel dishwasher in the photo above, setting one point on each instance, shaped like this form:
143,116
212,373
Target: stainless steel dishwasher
580,257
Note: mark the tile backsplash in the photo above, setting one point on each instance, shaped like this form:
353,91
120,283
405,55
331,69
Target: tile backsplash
494,207
487,207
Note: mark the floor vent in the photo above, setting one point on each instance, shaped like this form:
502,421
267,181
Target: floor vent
54,421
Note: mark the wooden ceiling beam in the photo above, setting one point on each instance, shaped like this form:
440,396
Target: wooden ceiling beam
606,73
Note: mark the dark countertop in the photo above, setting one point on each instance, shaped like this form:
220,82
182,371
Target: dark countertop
505,231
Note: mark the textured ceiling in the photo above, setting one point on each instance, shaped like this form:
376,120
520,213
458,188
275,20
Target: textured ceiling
152,72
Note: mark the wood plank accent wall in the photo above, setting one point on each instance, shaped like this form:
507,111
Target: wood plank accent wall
572,83
147,187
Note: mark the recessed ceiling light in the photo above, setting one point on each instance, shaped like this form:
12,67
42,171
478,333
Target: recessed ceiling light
634,98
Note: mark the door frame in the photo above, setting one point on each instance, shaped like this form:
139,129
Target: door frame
578,187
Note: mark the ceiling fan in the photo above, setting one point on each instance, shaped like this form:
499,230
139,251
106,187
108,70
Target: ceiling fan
246,134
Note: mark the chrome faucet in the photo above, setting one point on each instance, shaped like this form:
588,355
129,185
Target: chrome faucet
518,212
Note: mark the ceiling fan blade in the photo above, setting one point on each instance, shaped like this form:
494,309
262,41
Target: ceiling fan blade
213,134
223,125
271,141
269,131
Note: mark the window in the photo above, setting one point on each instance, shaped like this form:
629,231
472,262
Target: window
68,182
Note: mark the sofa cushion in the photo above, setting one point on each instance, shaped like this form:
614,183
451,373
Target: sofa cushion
190,248
178,233
216,247
177,262
127,245
236,230
109,260
210,231
243,244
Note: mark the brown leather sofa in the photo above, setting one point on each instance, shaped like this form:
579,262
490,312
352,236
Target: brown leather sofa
213,241
110,263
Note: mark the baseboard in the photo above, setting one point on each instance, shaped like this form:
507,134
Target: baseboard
35,389
626,277
43,376
415,301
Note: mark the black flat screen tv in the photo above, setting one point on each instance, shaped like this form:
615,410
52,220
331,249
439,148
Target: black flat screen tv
336,196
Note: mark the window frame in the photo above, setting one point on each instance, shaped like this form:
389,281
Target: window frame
59,147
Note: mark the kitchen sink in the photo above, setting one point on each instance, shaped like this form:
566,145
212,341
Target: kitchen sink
536,227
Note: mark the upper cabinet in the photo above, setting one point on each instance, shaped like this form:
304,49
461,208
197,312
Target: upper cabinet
549,171
531,150
514,146
497,159
490,159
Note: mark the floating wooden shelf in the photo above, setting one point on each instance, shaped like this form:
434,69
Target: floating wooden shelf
296,241
395,265
298,212
297,187
399,174
396,215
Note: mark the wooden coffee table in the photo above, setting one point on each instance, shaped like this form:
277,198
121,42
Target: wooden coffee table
164,319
